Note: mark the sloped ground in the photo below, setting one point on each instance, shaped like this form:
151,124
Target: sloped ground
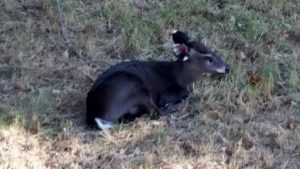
248,119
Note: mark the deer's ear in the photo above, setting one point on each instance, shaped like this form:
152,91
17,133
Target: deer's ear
181,51
180,37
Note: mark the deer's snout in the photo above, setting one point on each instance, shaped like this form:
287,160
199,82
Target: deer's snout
223,70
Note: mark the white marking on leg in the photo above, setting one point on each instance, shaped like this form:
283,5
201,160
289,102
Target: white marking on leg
103,124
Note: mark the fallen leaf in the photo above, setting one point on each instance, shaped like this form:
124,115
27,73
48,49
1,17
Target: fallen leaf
254,79
34,130
229,151
34,127
227,161
286,103
2,138
247,143
188,148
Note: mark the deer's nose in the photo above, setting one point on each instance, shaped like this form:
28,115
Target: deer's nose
227,69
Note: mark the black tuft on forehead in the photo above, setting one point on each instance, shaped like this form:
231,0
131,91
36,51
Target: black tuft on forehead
180,37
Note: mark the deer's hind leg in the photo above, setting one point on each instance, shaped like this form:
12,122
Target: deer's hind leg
141,103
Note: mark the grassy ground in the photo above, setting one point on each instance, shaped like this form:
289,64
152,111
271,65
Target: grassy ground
246,120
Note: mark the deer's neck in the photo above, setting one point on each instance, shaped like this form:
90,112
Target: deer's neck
184,74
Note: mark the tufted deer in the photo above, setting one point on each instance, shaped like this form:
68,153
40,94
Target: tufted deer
130,89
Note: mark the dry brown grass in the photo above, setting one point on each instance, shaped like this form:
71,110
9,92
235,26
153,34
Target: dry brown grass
248,119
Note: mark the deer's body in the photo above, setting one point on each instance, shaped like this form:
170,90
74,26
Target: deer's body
130,89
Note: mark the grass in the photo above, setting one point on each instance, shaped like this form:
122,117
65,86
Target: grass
242,120
294,79
12,117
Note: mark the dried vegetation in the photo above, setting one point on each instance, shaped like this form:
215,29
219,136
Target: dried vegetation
248,119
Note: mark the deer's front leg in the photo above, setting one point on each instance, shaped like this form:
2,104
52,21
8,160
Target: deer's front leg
170,98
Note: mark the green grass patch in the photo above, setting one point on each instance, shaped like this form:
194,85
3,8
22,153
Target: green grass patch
270,74
27,111
138,33
162,135
294,80
283,46
6,72
249,26
9,118
266,84
142,32
40,104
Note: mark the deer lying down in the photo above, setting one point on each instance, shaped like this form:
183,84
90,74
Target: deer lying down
130,89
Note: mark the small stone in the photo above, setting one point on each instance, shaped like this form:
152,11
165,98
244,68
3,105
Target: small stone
155,123
249,167
55,91
137,151
66,54
242,55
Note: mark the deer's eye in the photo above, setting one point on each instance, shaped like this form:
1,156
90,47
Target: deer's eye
209,59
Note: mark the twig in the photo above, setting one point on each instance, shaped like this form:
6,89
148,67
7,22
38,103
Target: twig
4,67
294,155
88,75
183,116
